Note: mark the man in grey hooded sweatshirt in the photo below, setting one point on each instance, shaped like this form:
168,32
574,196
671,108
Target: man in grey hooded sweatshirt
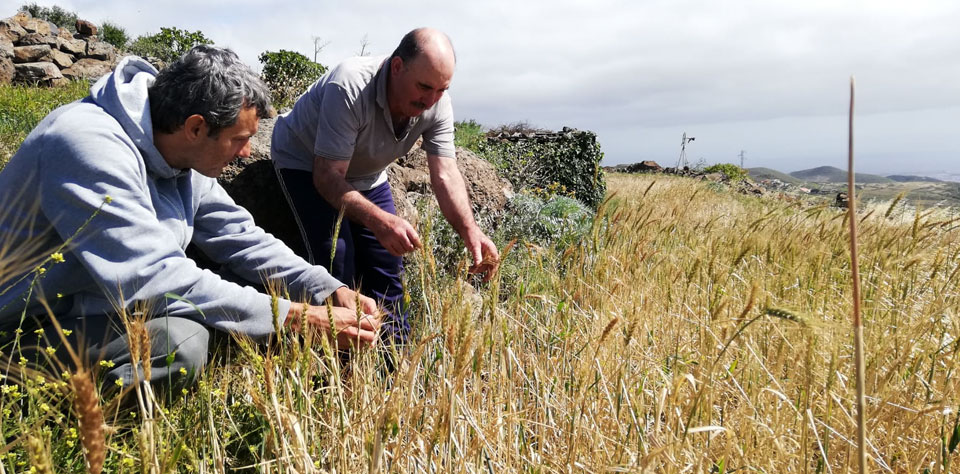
122,181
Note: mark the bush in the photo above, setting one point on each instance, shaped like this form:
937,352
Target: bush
731,171
569,160
555,220
167,45
113,34
288,74
55,14
468,134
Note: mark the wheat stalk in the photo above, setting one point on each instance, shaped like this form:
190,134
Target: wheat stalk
857,322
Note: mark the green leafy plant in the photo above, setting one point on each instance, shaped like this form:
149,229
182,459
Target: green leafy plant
55,14
113,34
288,74
570,159
22,107
468,134
167,45
731,171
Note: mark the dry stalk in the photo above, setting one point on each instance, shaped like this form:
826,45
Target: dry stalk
857,322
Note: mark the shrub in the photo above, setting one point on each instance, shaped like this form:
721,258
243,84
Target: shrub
288,74
468,134
731,171
113,34
55,14
555,220
167,45
570,159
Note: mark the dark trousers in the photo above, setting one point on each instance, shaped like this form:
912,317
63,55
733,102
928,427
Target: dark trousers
360,260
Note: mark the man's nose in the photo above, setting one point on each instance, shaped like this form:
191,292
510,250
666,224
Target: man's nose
245,151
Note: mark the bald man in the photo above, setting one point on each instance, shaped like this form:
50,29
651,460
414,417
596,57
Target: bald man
332,149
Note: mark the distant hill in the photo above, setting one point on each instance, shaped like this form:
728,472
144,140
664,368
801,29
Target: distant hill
904,178
830,174
760,173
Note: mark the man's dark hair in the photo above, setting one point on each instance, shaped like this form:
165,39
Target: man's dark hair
411,46
208,81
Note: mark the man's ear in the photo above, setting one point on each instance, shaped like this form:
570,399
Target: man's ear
396,64
195,127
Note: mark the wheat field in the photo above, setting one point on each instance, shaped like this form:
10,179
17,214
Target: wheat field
690,330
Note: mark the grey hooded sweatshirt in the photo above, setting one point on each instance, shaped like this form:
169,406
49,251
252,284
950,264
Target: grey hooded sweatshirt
132,249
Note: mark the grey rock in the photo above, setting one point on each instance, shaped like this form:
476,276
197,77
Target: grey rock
33,39
76,47
6,47
61,59
11,29
7,71
35,25
101,50
30,54
37,73
87,68
86,28
54,29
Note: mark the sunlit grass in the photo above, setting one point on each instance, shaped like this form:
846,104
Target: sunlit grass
22,108
691,330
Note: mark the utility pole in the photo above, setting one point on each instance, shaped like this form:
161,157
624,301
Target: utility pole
682,161
741,158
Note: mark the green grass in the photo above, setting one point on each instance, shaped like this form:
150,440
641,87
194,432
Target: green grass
22,108
468,134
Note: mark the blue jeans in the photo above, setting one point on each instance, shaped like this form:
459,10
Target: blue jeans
360,261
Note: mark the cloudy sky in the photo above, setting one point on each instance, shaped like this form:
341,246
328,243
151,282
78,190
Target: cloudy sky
768,77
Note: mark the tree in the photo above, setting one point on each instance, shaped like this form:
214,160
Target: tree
288,74
364,45
167,45
113,34
318,45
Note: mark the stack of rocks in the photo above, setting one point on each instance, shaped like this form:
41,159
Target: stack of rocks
35,51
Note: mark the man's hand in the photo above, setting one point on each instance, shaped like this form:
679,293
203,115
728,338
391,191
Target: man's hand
348,299
350,330
486,258
396,235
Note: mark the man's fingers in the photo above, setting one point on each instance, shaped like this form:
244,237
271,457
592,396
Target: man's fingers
369,322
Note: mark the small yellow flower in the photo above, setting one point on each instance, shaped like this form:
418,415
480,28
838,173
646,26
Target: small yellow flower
51,350
38,332
72,433
23,361
70,443
57,257
106,363
107,199
59,295
128,462
183,371
44,407
118,382
184,391
67,332
41,270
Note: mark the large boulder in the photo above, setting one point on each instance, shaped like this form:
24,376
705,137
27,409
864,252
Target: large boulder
100,50
61,59
36,25
6,47
87,68
11,29
30,54
37,73
76,47
7,71
31,39
86,28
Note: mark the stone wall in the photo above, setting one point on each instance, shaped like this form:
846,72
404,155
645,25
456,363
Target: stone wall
35,51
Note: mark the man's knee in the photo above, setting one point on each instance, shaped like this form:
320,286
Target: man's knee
179,343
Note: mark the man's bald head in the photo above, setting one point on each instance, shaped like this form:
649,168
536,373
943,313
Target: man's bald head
427,42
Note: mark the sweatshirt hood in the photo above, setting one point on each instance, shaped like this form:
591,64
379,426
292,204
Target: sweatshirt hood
123,95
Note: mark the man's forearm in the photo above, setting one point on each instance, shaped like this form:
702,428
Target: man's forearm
451,191
334,188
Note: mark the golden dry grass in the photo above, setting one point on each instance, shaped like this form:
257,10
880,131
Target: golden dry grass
691,330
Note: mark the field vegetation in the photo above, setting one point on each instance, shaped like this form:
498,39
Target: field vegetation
22,107
687,329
